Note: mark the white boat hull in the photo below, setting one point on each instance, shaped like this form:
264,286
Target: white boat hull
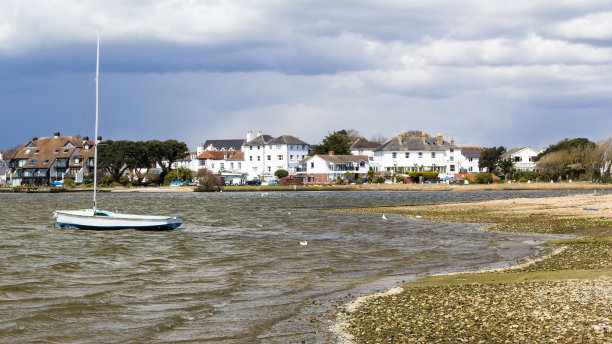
106,220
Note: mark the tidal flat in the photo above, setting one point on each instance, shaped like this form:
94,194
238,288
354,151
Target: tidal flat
564,297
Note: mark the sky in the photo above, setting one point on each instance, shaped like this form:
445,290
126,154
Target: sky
486,73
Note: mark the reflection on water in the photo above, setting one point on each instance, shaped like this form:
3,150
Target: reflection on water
235,271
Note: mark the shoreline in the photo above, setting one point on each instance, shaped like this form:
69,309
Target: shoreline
353,187
567,269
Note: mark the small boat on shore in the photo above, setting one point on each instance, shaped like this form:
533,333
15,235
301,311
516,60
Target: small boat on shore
105,220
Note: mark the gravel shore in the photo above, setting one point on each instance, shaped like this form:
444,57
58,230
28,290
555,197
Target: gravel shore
564,298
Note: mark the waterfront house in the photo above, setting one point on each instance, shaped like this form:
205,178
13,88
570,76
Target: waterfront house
47,159
4,170
362,146
468,160
523,158
406,153
264,154
327,168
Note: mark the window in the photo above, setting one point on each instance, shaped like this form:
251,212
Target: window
239,165
269,169
312,165
254,169
37,151
470,159
470,169
258,158
202,162
66,150
290,157
27,151
232,165
250,147
212,165
532,158
278,147
420,154
33,162
279,157
69,144
46,161
269,157
56,151
76,160
258,147
394,155
518,159
433,155
452,150
251,158
221,165
303,157
407,155
452,158
452,168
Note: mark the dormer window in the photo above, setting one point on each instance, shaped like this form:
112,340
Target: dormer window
56,151
37,151
76,160
27,151
46,161
32,162
69,144
66,150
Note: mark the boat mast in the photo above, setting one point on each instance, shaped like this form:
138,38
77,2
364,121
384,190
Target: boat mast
96,126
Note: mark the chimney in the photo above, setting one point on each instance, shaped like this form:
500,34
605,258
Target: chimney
34,138
452,140
259,133
330,152
85,138
1,156
440,139
56,134
249,136
200,149
423,136
99,139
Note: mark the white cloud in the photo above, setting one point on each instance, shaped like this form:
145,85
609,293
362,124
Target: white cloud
597,26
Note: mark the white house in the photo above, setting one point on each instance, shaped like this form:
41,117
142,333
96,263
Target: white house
221,161
361,146
418,153
468,160
523,158
323,169
263,154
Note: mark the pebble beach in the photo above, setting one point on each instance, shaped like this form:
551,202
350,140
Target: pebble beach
562,297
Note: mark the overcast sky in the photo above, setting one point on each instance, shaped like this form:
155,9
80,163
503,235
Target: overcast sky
511,73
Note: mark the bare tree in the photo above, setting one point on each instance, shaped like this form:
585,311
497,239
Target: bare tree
415,133
353,134
207,180
379,138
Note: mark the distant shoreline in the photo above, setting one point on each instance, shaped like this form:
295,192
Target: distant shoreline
353,187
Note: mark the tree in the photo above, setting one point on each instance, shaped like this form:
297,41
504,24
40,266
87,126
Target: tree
207,181
415,133
112,157
181,174
506,166
339,142
281,173
138,157
566,145
490,156
554,163
378,138
169,150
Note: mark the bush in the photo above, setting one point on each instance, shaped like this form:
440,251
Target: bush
281,173
208,181
106,181
69,183
115,184
124,180
426,175
380,180
483,178
523,180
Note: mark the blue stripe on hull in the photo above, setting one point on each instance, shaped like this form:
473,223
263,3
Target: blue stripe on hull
146,228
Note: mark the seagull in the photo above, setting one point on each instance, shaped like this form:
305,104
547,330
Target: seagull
384,217
303,243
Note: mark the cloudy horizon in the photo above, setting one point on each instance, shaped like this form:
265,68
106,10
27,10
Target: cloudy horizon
487,73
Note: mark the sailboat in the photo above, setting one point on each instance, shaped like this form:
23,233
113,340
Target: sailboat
101,219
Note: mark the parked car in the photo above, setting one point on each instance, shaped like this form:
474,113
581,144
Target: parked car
273,182
253,182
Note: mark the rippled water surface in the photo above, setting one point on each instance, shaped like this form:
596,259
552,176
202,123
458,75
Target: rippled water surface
235,272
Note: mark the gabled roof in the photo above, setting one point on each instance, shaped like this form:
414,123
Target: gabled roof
259,140
83,154
39,150
239,156
286,140
224,144
415,143
362,143
218,155
471,152
516,150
